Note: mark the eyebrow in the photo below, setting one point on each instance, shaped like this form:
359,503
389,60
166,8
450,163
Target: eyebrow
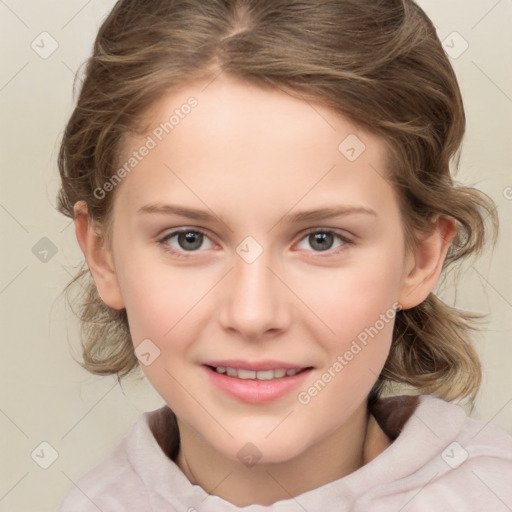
298,217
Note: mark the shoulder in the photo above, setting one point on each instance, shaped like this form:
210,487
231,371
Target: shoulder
429,416
115,484
451,460
476,438
478,464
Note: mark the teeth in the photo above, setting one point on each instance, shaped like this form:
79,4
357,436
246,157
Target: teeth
260,375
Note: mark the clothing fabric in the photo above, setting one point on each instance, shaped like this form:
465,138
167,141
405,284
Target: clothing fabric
440,460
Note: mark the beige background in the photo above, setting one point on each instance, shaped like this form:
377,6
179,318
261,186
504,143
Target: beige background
46,397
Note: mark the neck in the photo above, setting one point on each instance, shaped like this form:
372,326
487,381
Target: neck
357,442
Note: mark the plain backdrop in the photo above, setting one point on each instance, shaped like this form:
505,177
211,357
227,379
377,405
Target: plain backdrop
56,420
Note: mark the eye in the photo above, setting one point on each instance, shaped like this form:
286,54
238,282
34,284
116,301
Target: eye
187,240
322,240
190,240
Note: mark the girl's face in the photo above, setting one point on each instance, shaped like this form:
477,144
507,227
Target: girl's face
248,174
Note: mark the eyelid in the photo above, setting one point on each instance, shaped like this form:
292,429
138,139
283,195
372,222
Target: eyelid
335,231
185,229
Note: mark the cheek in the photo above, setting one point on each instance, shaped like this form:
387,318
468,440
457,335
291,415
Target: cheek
357,307
354,297
170,306
164,307
359,310
156,294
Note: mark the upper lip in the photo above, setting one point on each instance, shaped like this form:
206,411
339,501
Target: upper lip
267,364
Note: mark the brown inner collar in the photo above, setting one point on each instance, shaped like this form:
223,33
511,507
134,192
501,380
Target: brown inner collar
391,414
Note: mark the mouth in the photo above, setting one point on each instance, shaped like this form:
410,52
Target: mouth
257,386
244,374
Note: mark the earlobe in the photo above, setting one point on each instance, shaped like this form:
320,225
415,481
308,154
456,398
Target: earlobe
98,256
428,261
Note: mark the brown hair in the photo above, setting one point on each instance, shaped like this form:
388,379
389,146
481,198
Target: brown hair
380,64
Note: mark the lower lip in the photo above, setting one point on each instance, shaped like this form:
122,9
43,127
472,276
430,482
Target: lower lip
256,391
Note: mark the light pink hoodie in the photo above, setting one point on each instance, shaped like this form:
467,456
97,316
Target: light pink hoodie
440,460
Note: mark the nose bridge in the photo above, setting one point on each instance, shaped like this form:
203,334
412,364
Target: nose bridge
255,300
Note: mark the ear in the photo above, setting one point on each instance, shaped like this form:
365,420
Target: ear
98,256
428,259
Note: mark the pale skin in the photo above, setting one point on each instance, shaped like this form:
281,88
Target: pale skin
249,157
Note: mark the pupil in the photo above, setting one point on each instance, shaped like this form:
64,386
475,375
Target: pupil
320,239
190,238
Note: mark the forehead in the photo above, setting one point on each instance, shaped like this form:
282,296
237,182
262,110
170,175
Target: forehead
253,146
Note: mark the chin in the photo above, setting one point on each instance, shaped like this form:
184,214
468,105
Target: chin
251,450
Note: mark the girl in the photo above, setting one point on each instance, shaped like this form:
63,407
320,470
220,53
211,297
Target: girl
262,193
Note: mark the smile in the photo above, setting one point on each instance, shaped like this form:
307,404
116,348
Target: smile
256,386
240,373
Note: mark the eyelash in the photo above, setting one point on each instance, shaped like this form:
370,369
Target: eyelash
180,254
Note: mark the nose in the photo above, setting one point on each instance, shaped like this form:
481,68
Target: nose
255,303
